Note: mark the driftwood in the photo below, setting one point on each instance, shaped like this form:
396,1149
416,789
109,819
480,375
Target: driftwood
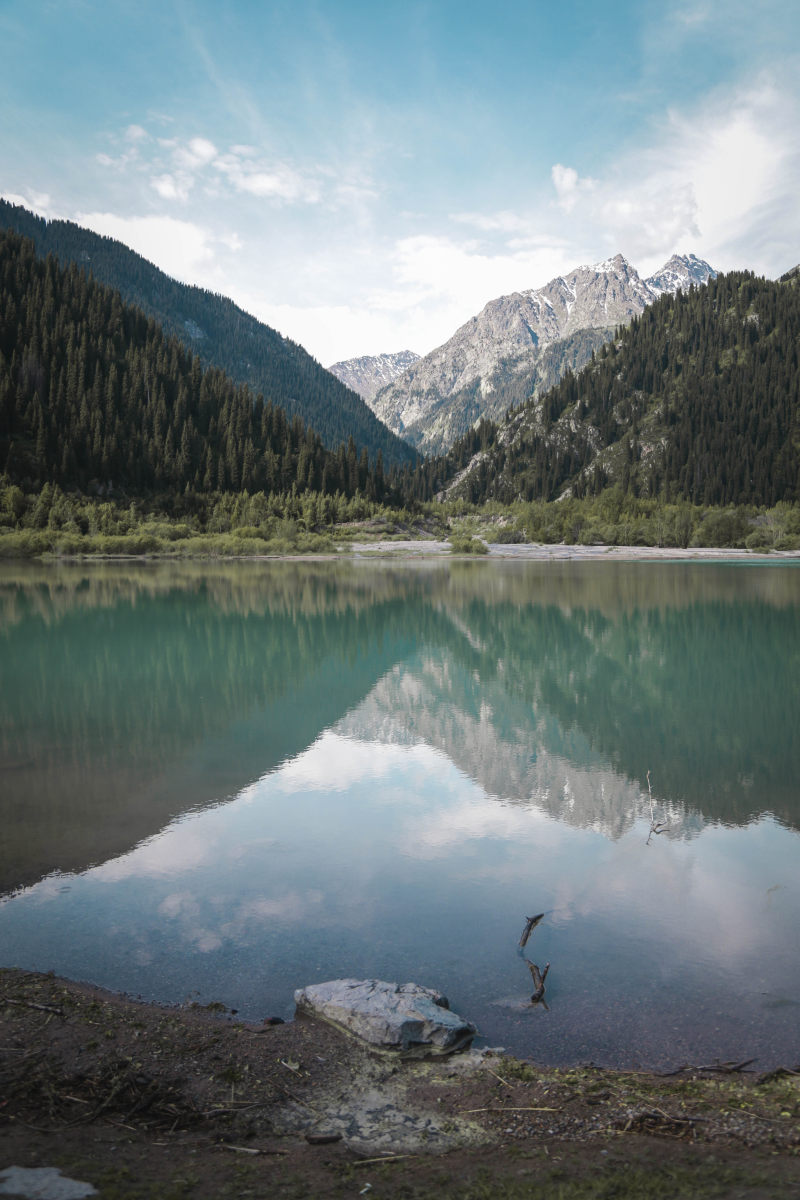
538,978
722,1068
778,1073
49,1008
530,925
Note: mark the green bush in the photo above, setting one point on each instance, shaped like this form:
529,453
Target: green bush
467,545
23,543
722,527
247,531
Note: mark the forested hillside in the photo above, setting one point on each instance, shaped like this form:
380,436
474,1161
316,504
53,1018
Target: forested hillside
220,334
94,396
697,399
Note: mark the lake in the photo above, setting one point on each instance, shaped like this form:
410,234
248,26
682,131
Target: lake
223,782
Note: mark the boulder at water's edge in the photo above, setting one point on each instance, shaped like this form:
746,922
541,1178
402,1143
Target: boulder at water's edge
391,1016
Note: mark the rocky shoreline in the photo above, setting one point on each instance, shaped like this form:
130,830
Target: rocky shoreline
138,1100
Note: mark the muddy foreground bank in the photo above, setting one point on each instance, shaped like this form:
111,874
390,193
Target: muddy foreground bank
143,1101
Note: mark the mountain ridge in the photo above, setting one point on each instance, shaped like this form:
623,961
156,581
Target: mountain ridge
220,333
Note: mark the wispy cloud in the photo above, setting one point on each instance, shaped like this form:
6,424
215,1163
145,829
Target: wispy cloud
176,167
268,180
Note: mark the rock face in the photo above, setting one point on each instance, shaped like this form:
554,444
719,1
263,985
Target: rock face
530,338
369,374
391,1016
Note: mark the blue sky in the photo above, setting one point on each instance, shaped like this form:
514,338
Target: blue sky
365,176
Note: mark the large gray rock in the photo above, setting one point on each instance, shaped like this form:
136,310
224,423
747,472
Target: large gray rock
391,1016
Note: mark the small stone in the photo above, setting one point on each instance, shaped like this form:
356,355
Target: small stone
42,1183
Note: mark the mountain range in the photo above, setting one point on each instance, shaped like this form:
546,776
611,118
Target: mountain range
520,345
220,334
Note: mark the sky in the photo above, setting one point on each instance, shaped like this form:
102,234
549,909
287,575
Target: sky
364,175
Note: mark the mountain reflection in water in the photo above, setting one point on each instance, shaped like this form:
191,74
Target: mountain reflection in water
234,780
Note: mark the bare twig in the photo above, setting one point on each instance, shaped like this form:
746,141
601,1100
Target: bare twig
365,1162
504,1082
656,827
510,1108
59,1012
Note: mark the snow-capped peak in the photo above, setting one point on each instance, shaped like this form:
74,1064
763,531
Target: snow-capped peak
679,273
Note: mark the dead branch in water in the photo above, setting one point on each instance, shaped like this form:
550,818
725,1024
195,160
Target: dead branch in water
530,925
538,978
655,826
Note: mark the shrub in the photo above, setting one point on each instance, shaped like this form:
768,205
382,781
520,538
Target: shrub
467,545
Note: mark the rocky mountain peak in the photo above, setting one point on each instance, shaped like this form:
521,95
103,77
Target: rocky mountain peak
368,374
681,272
439,396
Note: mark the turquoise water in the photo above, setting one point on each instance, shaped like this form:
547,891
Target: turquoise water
225,782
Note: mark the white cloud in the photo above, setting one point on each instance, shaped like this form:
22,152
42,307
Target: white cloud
440,267
332,332
569,186
169,187
711,180
181,248
196,153
502,222
350,276
37,202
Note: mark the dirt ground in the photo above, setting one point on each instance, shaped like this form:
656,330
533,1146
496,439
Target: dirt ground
142,1101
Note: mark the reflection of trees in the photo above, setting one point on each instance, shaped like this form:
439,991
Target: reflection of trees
122,705
706,695
313,587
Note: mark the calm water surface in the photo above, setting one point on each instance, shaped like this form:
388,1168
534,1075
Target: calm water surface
225,782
